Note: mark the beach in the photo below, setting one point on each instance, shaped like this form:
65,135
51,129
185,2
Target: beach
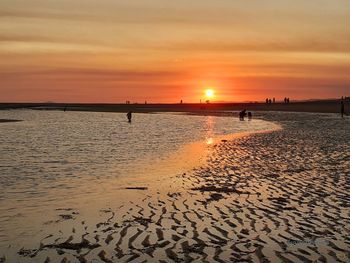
276,196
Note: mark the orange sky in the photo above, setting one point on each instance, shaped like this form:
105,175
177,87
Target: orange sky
165,51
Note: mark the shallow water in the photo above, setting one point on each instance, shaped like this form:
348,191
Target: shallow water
53,158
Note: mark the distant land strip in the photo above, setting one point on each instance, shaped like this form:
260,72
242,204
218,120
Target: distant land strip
319,106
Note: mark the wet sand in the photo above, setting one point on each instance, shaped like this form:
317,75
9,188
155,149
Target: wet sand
281,196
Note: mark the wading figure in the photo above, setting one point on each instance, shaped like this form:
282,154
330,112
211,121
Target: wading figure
129,116
242,115
249,115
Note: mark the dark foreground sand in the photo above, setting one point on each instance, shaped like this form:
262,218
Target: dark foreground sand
282,196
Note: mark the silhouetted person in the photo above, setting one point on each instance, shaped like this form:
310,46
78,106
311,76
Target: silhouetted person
342,109
267,100
250,116
273,100
270,101
242,115
129,116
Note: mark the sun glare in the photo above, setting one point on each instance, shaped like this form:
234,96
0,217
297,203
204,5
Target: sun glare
209,93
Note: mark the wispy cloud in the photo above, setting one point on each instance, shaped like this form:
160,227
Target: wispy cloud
78,74
256,45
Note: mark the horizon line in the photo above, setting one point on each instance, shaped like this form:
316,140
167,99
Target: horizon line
178,102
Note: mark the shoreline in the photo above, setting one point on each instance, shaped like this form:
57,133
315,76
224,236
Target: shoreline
197,152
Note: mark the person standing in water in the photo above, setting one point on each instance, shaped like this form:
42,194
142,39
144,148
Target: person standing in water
129,116
342,109
250,116
242,115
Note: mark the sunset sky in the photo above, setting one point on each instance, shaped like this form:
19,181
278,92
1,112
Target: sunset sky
165,51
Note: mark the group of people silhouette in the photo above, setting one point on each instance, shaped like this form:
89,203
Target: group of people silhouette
286,100
244,113
269,101
273,100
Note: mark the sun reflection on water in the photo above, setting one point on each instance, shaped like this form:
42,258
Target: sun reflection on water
209,141
209,130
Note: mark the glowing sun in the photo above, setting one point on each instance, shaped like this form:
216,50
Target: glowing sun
209,93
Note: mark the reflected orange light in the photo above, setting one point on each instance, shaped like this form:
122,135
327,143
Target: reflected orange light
209,141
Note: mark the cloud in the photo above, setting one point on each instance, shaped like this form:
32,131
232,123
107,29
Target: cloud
11,37
264,45
80,74
44,15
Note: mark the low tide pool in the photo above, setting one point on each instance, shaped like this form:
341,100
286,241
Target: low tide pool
54,159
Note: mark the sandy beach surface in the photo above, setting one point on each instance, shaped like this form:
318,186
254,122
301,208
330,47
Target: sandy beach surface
278,196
